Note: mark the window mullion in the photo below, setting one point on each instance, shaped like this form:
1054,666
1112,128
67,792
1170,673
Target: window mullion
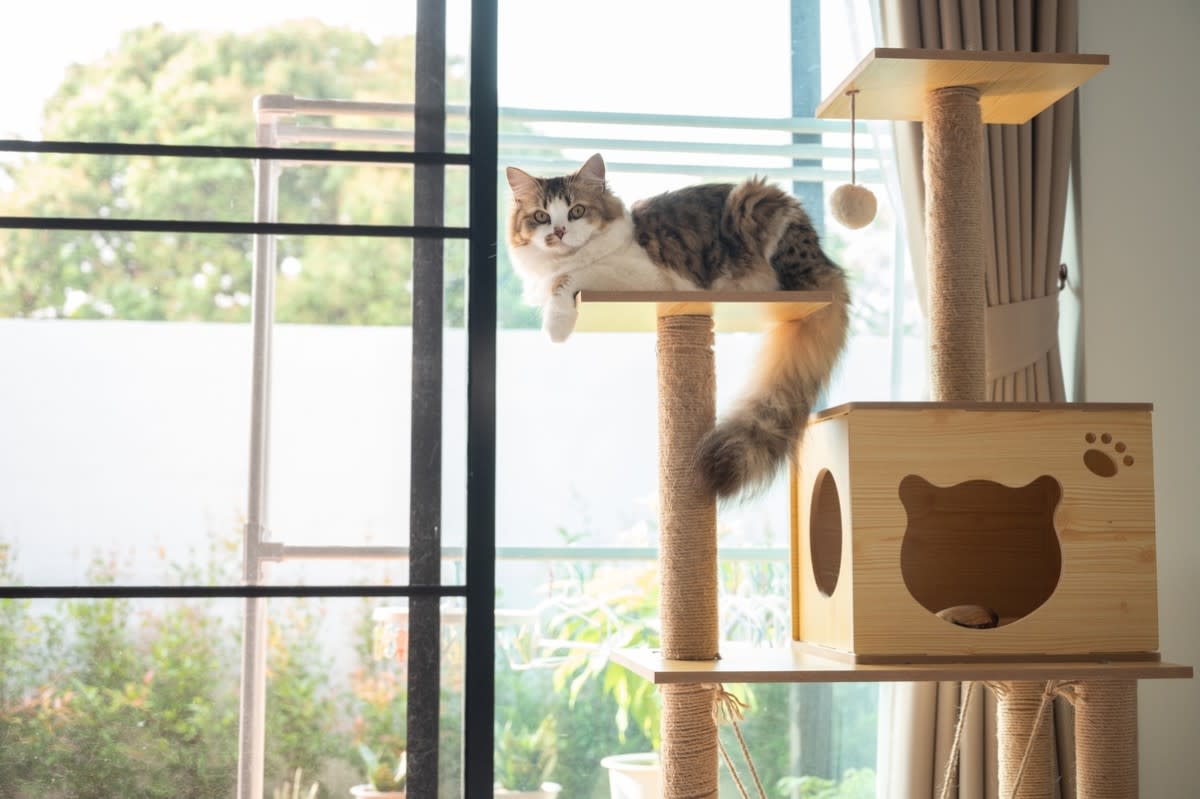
424,653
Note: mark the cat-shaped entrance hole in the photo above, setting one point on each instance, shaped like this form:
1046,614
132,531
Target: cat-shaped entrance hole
981,543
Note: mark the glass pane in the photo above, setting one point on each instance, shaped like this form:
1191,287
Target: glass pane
118,697
139,698
342,410
577,422
123,449
190,74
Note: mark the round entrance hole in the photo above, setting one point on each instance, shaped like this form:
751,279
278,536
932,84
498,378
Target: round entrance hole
825,533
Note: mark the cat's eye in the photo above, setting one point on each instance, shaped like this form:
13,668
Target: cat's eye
541,217
576,212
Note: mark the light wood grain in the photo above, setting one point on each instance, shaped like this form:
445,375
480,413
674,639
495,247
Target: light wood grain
744,664
892,83
638,311
1105,597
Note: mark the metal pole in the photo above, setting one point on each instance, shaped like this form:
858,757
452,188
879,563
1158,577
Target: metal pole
252,719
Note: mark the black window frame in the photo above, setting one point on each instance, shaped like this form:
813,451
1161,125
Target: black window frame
425,590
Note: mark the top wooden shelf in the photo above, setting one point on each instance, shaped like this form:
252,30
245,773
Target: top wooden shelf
747,664
1014,87
638,311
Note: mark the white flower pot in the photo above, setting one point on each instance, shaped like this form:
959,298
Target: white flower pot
365,791
636,776
549,790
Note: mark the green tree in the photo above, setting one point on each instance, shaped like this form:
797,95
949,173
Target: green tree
160,85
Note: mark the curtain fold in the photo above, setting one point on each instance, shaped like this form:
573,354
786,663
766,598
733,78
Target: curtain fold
1026,173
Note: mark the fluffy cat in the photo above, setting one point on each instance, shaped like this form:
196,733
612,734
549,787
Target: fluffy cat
571,233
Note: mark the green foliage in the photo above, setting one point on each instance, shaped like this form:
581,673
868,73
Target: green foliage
145,694
855,784
610,610
300,704
526,758
385,772
195,87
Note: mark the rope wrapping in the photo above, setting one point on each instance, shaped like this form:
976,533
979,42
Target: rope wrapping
954,233
687,552
1106,765
689,742
1026,748
687,513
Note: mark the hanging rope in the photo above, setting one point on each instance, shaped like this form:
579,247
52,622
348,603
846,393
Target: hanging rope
1047,698
728,709
1025,755
956,745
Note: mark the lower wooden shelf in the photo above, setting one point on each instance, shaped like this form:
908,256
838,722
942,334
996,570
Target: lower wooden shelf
747,664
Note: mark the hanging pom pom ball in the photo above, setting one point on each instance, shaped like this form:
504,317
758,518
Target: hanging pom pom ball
853,205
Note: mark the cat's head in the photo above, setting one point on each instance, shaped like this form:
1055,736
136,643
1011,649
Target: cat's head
559,215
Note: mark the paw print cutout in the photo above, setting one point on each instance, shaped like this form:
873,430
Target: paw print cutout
1105,458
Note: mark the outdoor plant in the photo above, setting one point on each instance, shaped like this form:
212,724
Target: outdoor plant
610,610
386,771
525,759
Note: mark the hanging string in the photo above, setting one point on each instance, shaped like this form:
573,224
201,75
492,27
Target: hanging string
1048,695
729,709
853,137
955,746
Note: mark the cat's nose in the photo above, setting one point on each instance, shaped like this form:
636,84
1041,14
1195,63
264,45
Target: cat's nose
560,231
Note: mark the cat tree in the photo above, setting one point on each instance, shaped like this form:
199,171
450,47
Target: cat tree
855,598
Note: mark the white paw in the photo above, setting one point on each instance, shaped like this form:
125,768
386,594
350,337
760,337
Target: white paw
559,323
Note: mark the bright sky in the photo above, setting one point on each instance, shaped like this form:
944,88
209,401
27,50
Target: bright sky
630,55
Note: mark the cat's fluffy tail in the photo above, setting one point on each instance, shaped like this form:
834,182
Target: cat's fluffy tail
745,450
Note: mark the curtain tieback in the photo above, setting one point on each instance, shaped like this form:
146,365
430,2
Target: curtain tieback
1019,333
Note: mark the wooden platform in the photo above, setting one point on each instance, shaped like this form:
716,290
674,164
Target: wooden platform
1014,87
745,664
638,311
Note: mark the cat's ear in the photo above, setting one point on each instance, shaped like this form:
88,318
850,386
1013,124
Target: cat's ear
592,170
522,183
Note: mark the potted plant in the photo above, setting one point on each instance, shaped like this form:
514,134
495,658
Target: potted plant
524,762
386,775
608,610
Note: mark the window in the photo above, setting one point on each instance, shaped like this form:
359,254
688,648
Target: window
240,554
671,97
250,457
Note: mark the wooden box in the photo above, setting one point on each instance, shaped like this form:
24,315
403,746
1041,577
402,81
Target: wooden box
1041,514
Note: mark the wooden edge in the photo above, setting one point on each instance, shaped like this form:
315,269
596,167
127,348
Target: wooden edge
997,56
783,665
917,53
917,658
629,311
1093,407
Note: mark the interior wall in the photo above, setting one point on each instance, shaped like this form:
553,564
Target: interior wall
1140,172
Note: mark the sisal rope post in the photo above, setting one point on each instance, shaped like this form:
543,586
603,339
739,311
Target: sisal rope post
687,552
1026,769
955,243
954,230
1106,760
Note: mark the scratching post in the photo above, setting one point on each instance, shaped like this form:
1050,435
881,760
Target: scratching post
687,551
955,250
955,247
1023,734
954,236
1106,739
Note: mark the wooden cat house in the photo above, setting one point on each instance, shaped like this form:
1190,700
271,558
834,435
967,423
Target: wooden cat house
1040,517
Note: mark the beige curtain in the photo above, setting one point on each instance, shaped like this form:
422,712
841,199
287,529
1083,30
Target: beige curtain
1026,181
